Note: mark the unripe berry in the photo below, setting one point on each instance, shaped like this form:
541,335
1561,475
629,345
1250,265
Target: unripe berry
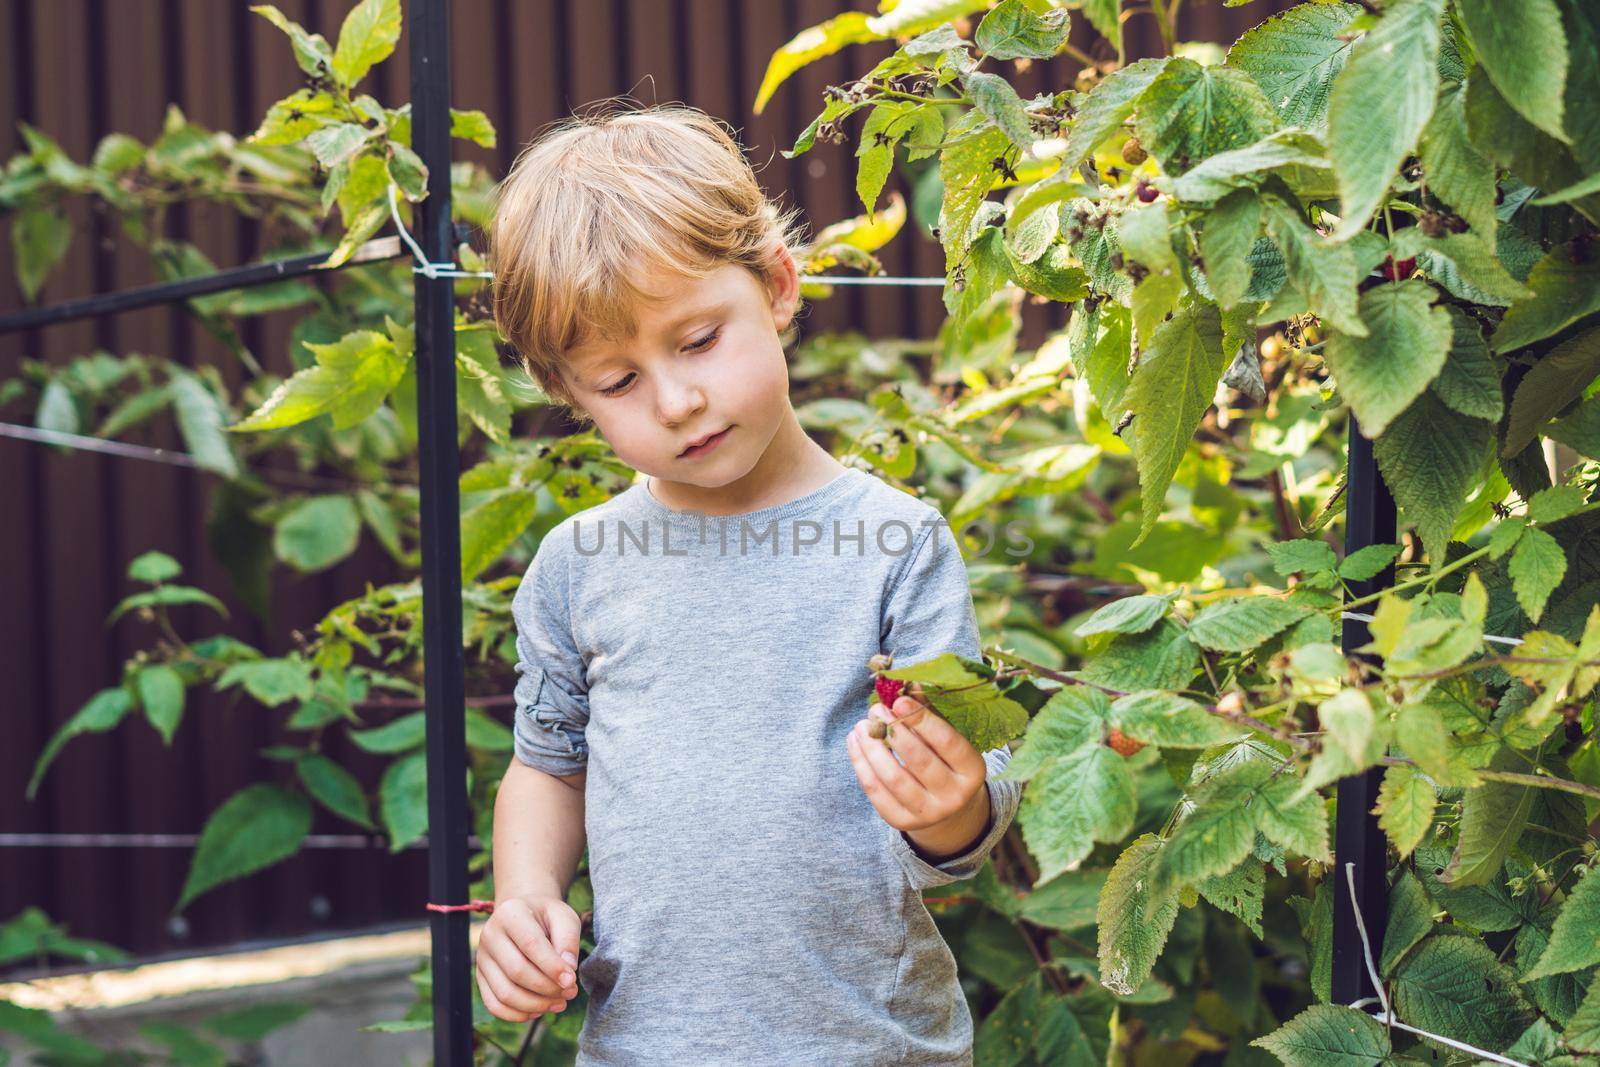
1133,152
1122,744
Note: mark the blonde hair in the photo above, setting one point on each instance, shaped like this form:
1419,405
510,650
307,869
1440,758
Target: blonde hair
598,202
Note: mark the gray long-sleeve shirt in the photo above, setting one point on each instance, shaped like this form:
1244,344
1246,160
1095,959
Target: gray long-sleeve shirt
751,907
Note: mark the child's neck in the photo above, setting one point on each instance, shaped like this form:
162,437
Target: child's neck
792,466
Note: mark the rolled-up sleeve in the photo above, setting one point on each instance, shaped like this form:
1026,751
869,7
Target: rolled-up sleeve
552,694
928,611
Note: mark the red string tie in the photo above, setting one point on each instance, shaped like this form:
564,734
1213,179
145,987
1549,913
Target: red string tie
476,905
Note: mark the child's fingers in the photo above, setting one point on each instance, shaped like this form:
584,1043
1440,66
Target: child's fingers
492,1002
926,765
942,738
565,928
540,968
507,992
895,793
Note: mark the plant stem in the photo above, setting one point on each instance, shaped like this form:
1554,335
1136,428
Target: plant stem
1536,781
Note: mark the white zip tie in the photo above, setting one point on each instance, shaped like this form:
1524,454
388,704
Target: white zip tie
1487,637
1387,1015
423,267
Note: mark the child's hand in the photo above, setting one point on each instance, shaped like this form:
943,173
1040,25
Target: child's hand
528,957
938,796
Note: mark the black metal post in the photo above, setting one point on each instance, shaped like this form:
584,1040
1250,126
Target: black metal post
1370,519
440,467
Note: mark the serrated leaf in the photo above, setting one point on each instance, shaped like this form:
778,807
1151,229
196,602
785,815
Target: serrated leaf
1328,1035
1133,919
202,421
270,681
1405,347
1410,919
1583,1029
967,171
1230,232
317,532
1074,802
1380,104
1192,112
350,381
1524,51
1108,105
1240,624
1579,431
1171,389
1169,721
809,45
1301,556
1455,986
1129,615
1563,293
100,713
401,735
258,826
993,96
979,712
1011,31
1217,833
1470,379
1431,459
1457,173
1295,57
1575,937
1467,266
1238,892
1367,563
1162,657
1559,378
1323,272
1405,807
1537,566
1492,819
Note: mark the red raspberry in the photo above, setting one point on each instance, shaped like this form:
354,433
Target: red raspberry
1122,744
1398,271
1145,191
889,690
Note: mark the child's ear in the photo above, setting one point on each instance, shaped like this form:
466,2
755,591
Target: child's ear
783,282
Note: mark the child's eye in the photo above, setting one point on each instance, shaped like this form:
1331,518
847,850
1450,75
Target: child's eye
613,390
705,342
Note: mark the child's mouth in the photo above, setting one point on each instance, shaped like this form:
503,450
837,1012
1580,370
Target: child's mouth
700,450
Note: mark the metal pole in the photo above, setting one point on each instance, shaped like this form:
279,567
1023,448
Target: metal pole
1369,520
439,462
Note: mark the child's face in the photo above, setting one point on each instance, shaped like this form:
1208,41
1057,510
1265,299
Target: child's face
707,359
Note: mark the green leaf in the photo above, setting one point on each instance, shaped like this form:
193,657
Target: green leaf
1583,1029
993,96
166,596
161,692
1217,833
809,45
1230,232
1295,57
1133,919
270,681
202,419
403,800
1066,902
1563,293
337,143
1323,272
472,125
1405,807
1240,624
1239,892
978,712
1468,267
1431,459
255,828
1191,112
1493,817
1524,51
334,788
1455,170
401,735
103,711
1171,389
350,380
367,37
1407,341
1103,16
1129,615
1108,105
1537,566
1380,104
491,527
40,239
1163,657
311,50
1575,937
408,171
1169,721
1073,802
255,1022
154,567
1011,31
1367,563
967,171
1455,986
1410,919
1301,556
317,533
1328,1035
1579,431
1470,380
1555,381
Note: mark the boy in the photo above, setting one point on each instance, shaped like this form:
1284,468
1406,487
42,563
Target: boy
693,653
